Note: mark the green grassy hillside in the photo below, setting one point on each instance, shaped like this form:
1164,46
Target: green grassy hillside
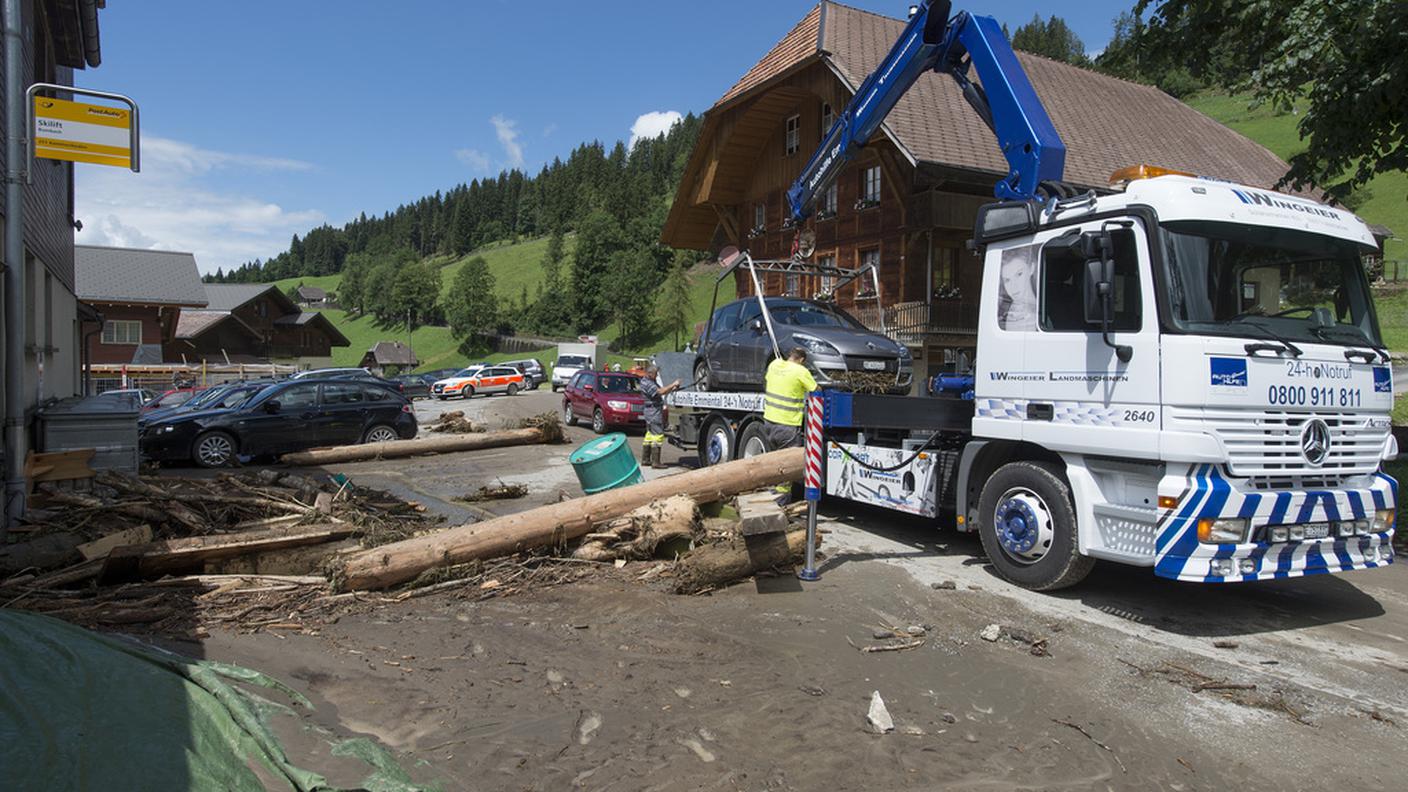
515,266
1387,194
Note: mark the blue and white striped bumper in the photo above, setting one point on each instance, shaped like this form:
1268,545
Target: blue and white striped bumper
1205,493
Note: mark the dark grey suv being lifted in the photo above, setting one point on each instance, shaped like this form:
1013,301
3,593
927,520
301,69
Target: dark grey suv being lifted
736,349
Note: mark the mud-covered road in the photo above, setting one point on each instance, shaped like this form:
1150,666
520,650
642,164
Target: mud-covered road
1127,682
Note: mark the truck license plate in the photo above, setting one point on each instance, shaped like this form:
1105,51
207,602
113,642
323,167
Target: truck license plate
873,365
1317,530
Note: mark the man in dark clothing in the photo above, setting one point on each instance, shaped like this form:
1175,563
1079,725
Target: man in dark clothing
654,414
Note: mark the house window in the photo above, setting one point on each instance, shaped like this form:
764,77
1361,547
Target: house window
794,283
122,332
943,278
870,258
828,202
793,141
870,185
827,118
828,282
760,218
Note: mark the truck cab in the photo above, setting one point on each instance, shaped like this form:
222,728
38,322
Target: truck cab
1202,365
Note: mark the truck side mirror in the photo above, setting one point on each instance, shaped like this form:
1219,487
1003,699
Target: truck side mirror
1099,292
1094,303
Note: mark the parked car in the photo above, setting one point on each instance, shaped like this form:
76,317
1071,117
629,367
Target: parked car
172,398
606,399
289,416
480,379
347,373
226,396
414,386
533,373
436,375
138,396
738,350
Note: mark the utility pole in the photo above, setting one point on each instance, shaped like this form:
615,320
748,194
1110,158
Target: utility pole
15,165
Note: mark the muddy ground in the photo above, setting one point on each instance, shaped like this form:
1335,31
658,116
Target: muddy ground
1127,682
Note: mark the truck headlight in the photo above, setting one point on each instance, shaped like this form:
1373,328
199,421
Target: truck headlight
1383,520
618,406
1278,533
816,346
1215,531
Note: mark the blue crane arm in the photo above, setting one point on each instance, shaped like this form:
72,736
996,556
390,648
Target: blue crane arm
1005,101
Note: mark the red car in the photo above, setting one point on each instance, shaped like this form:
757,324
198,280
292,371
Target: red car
605,398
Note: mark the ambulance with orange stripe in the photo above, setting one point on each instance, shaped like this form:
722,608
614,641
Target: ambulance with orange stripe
482,379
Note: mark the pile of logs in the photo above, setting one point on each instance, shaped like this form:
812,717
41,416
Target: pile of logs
454,422
265,550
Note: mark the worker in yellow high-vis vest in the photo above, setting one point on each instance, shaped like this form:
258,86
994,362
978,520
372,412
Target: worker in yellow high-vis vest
785,392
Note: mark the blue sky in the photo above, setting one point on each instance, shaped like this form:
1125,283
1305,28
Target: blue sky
265,117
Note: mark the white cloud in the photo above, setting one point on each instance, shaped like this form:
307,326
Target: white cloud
549,129
475,159
177,203
507,132
653,125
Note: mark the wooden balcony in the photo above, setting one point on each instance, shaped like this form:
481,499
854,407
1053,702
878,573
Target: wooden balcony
910,322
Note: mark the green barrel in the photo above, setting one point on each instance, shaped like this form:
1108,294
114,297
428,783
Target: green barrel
605,463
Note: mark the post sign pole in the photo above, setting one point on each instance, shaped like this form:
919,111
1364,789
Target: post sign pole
77,132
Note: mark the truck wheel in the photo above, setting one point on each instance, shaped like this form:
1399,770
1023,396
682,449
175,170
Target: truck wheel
702,380
753,441
1027,522
716,443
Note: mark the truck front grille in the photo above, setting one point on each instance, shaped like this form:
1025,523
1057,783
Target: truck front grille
1267,443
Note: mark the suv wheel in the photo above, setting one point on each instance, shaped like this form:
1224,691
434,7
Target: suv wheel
702,380
598,421
214,450
568,416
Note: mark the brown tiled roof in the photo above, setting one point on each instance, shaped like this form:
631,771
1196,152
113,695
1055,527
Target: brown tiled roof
799,44
1106,123
392,353
191,324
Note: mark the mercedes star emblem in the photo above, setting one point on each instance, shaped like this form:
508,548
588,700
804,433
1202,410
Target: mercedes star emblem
1315,442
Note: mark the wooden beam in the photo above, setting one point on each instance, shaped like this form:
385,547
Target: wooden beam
403,561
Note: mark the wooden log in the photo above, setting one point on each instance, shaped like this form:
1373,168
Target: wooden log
407,448
720,564
43,552
100,548
399,562
190,554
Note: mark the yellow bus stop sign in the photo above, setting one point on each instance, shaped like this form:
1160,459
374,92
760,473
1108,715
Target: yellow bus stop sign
79,132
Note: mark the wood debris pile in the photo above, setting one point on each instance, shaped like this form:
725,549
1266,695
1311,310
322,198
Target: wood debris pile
498,491
454,422
865,381
549,424
171,552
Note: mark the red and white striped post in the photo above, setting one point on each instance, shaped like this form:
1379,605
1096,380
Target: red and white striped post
811,482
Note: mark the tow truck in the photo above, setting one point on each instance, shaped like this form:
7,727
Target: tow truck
1182,373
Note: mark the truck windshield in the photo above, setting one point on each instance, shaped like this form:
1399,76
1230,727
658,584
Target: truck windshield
574,361
1253,281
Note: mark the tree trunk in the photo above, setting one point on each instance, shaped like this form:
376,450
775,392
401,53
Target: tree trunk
180,555
718,565
407,448
399,562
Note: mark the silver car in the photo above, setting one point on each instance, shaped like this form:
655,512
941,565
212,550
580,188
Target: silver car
737,350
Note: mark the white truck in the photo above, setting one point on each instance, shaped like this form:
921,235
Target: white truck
1183,373
572,358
